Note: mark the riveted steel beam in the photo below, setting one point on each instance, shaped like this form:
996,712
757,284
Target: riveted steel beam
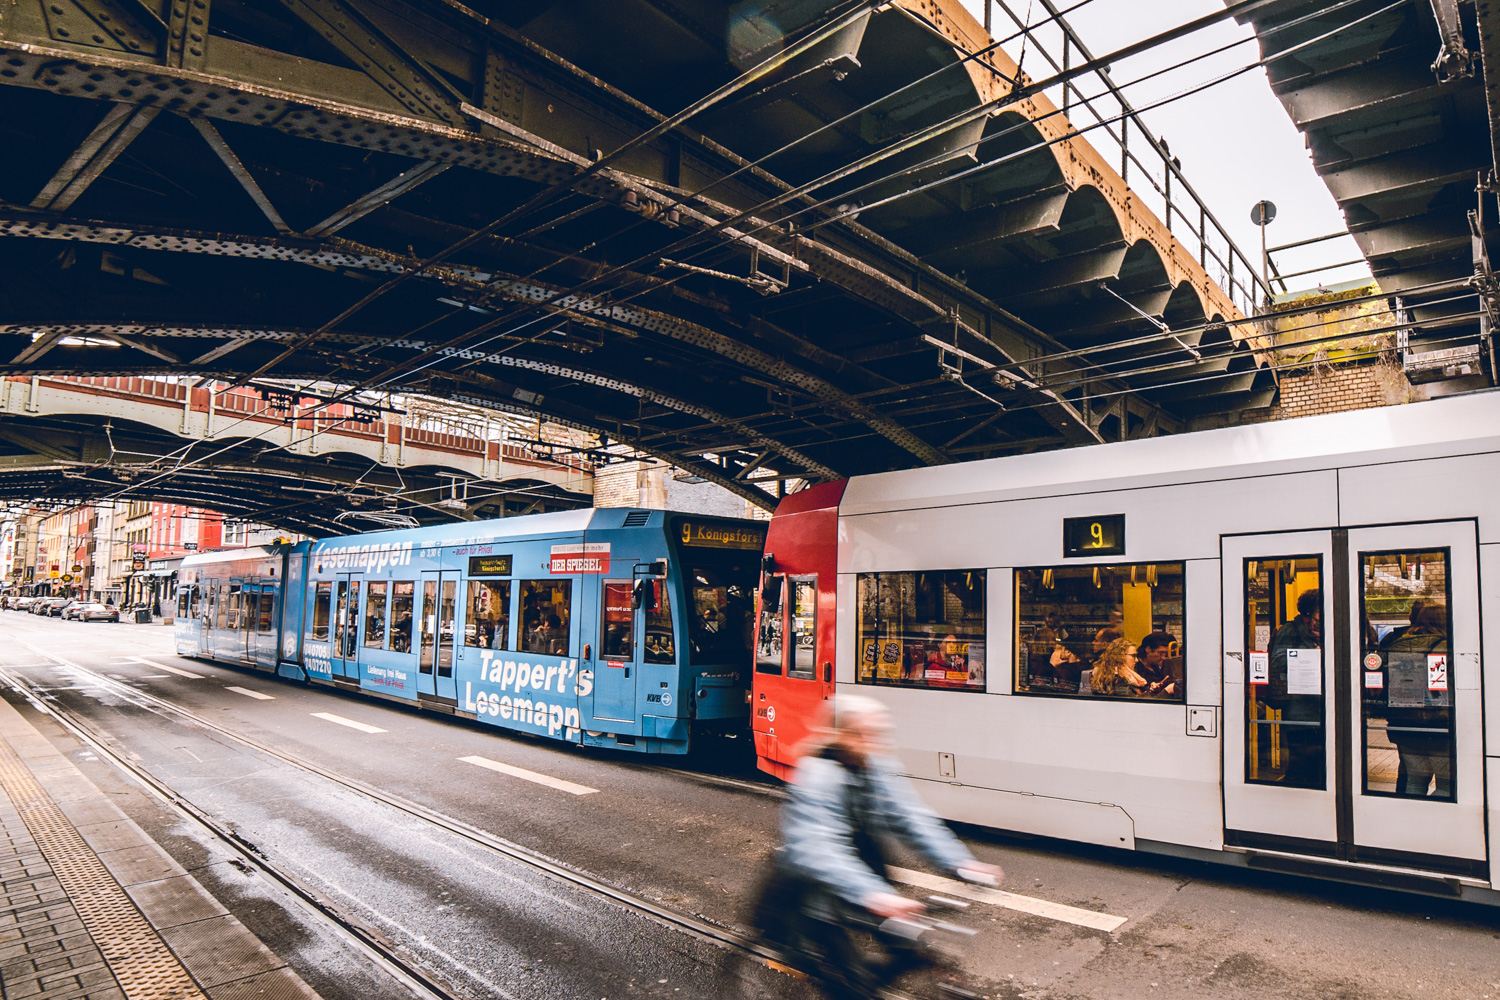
420,90
106,141
226,156
187,33
378,198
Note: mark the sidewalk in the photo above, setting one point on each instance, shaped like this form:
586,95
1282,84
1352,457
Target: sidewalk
91,907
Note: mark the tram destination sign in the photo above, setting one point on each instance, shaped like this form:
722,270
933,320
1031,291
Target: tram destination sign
1101,535
707,535
489,565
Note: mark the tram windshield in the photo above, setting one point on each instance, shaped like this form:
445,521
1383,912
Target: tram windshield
721,615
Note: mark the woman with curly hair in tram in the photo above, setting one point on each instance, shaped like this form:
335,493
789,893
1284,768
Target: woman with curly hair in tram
1113,672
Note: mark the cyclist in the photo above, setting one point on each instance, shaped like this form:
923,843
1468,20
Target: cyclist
847,803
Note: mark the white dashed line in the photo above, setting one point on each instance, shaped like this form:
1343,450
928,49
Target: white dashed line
171,670
363,727
525,775
248,693
1010,900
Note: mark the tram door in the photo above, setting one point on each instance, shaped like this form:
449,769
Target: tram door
344,647
1352,714
208,598
265,628
438,617
790,677
619,663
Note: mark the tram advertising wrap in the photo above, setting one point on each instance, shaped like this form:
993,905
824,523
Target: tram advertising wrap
1258,645
618,627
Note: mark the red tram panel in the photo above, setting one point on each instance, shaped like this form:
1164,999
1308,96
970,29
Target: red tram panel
794,662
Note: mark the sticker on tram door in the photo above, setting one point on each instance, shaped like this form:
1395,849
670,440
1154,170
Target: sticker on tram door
1260,667
1437,671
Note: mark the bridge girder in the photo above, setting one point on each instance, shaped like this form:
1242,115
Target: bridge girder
280,168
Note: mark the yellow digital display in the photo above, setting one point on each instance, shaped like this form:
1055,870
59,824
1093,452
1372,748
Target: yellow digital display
1103,535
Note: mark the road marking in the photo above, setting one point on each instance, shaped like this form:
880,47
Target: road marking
363,727
1010,900
171,670
521,772
249,694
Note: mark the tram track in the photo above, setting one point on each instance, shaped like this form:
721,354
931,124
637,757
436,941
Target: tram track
423,982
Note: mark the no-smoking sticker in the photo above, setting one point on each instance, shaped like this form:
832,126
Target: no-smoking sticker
1437,671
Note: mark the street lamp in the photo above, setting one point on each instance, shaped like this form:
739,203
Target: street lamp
1263,213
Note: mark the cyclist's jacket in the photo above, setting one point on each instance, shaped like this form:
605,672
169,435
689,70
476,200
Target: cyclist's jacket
833,826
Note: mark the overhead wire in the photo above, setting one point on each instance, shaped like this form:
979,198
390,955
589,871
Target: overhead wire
860,164
901,145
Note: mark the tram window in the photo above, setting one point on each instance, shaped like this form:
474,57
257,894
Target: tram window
1284,697
924,629
618,639
769,649
1406,683
721,617
234,608
322,605
182,603
1101,631
375,599
221,605
660,647
403,598
487,625
267,609
546,613
804,619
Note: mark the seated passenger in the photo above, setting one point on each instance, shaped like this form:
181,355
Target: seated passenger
1113,672
1151,664
549,638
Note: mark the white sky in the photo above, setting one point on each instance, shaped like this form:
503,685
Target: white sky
1236,143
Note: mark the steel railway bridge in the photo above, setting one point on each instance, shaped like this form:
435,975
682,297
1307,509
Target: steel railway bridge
759,241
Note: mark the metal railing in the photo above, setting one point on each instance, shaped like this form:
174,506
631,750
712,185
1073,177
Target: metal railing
1237,273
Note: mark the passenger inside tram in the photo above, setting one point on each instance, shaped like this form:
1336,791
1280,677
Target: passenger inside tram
1068,616
1301,711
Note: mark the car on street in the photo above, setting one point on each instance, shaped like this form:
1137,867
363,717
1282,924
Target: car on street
44,605
92,611
57,610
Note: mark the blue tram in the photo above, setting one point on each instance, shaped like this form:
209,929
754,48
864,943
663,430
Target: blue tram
607,627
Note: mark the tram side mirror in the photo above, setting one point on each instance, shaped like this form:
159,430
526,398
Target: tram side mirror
770,594
643,595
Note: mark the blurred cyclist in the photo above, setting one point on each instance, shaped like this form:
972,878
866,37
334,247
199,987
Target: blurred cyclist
847,804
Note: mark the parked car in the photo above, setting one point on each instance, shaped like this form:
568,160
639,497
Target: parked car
22,603
56,610
94,612
44,605
71,611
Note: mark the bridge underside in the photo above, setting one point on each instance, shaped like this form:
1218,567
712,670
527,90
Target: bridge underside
1398,104
63,459
408,194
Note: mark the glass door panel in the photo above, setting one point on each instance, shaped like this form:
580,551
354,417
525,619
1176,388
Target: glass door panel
1284,704
427,631
1278,783
1416,744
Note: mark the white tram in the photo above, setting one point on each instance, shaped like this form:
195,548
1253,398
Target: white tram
1304,601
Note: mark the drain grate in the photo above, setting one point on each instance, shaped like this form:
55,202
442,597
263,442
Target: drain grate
141,962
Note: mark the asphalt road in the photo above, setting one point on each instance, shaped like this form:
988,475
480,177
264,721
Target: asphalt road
667,832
